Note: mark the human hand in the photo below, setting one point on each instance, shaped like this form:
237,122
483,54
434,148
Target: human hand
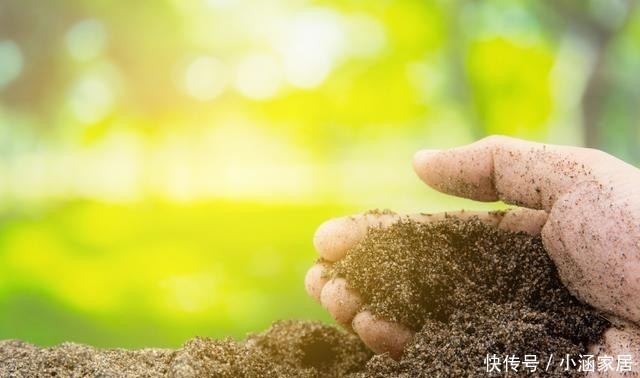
580,200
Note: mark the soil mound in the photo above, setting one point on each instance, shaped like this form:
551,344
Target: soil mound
287,349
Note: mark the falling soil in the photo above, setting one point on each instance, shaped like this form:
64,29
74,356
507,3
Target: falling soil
467,289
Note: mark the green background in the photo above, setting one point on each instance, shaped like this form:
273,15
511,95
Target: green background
164,164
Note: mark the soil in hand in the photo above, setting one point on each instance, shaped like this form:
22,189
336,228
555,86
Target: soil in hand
469,290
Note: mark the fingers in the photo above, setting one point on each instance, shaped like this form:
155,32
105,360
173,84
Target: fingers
340,301
336,236
344,305
518,172
315,280
381,336
526,220
617,343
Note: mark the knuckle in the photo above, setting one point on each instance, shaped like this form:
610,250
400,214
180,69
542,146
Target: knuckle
495,140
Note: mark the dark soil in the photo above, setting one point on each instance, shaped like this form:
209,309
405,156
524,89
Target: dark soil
287,349
467,289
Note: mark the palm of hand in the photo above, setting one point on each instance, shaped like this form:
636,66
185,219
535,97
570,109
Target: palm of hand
580,200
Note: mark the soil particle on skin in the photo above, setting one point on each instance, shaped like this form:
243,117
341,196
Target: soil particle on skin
287,349
380,212
468,290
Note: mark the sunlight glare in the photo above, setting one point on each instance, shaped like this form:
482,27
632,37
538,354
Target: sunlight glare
91,99
86,39
259,77
11,62
205,78
310,46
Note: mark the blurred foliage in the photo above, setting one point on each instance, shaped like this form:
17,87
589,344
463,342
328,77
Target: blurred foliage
163,164
155,274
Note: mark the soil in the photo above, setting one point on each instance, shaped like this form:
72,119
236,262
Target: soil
287,349
466,288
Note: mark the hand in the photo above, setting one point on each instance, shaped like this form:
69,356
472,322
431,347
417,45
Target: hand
584,203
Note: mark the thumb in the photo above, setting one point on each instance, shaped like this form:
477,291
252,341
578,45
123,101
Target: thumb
518,172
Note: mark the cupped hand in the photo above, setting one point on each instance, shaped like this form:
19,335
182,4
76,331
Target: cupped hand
584,203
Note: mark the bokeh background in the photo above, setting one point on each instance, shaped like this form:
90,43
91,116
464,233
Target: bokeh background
163,164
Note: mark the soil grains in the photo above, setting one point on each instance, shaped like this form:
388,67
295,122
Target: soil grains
287,349
467,289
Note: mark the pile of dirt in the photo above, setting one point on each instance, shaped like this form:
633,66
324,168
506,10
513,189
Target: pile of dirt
287,349
469,290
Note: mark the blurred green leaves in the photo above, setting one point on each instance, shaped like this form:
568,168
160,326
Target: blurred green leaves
163,165
506,100
155,274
